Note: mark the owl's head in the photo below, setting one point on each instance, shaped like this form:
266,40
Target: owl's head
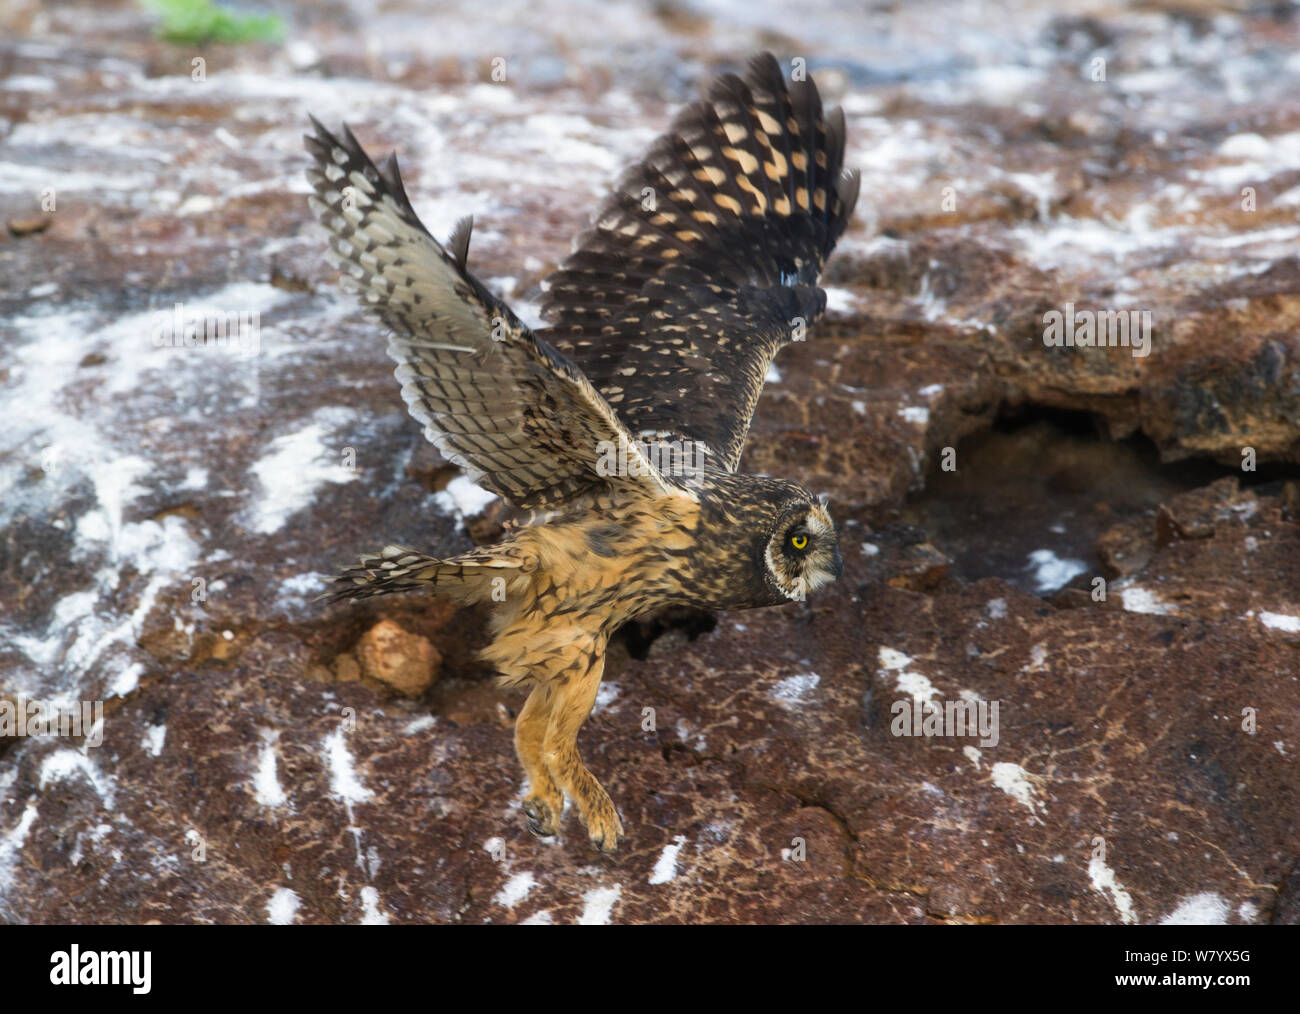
802,552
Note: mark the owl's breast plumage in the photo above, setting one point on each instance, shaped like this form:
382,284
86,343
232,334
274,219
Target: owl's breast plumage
614,561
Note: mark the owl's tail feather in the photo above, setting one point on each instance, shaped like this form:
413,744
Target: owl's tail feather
470,577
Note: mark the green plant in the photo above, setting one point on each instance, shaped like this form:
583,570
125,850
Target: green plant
197,21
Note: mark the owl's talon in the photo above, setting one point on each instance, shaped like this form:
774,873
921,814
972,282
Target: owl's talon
607,835
541,816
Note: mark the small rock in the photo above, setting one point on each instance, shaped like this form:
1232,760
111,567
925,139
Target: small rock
29,226
1170,528
346,669
919,567
1124,550
404,661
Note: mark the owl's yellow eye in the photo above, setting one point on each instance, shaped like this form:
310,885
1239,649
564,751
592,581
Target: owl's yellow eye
799,541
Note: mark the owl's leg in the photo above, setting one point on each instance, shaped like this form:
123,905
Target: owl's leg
545,801
574,696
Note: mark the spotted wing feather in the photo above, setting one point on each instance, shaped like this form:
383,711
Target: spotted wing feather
704,261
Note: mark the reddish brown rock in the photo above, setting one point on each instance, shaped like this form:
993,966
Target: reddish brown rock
29,226
404,662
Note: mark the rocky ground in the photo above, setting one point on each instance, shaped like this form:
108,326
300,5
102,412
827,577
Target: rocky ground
1103,543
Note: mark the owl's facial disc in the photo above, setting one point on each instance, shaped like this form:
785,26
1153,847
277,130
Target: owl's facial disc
803,551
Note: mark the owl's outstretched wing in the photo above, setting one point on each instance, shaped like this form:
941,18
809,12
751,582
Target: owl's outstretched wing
518,415
705,259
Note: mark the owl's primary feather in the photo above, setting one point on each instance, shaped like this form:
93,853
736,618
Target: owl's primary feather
699,267
708,250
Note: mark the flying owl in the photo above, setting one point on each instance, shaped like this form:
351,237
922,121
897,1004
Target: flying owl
614,435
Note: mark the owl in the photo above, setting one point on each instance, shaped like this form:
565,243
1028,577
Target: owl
613,435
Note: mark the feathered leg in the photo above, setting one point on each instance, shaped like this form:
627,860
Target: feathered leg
574,694
545,801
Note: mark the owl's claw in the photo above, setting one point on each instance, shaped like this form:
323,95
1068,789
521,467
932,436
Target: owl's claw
541,816
606,834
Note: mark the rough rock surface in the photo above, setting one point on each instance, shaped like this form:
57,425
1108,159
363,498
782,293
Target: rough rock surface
408,663
169,513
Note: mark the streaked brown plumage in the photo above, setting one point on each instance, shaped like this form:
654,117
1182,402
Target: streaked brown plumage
698,268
